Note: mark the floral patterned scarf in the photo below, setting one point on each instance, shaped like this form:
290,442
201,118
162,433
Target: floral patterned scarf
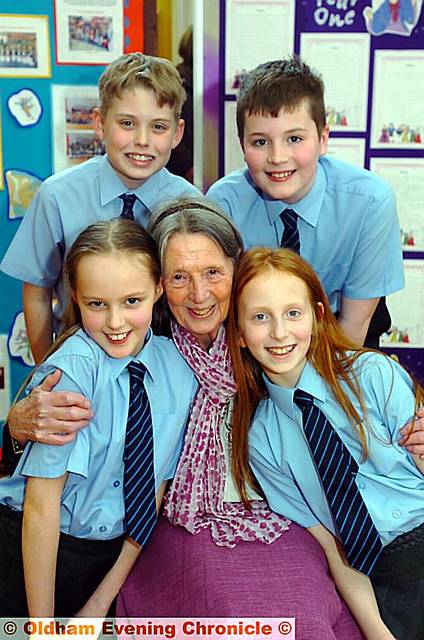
196,497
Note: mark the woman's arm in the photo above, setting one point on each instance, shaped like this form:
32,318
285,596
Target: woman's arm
355,587
100,601
40,540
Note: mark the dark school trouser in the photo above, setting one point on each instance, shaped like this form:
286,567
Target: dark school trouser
81,565
398,582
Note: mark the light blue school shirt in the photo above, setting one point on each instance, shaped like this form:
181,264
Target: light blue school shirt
68,202
348,227
92,504
389,482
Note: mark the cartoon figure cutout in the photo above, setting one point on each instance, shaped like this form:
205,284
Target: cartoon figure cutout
398,17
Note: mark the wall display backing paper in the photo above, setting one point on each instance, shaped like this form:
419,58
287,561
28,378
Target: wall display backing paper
24,46
405,175
407,309
398,90
88,32
74,139
244,49
346,94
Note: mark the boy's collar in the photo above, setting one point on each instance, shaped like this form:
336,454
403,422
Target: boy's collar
308,208
111,186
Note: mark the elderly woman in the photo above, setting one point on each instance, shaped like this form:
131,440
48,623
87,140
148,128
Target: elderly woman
209,556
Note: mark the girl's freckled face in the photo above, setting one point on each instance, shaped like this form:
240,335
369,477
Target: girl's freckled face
275,324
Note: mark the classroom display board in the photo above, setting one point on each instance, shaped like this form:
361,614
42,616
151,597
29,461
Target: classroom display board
370,55
52,53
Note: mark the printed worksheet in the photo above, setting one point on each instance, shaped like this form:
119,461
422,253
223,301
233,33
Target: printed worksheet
245,23
350,150
233,155
407,310
406,176
343,62
397,104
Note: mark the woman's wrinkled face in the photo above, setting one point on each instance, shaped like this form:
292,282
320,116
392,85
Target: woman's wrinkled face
197,282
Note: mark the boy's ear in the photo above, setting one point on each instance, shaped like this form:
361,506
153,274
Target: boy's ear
97,120
325,134
178,133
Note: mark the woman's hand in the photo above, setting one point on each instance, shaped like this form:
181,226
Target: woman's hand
49,417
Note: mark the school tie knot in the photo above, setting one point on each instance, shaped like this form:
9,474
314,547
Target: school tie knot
302,399
128,200
137,371
290,238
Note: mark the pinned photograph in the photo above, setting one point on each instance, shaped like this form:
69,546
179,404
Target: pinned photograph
24,46
88,31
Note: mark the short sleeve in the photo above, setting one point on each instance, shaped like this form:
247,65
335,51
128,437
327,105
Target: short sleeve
377,265
36,252
47,461
387,386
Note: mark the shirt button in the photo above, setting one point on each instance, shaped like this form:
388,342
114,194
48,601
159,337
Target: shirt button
361,485
396,513
116,483
103,528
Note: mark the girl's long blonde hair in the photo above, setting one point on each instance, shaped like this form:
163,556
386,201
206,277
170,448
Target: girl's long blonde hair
331,353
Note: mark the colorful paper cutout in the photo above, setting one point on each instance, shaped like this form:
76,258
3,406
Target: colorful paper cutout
22,187
25,107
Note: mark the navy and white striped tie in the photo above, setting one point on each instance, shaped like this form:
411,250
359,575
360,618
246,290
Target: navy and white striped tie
337,470
139,478
290,239
127,208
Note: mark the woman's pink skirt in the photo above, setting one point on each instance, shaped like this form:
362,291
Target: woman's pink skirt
181,575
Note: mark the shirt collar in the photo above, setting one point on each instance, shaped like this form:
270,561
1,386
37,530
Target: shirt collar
308,208
111,186
310,381
146,356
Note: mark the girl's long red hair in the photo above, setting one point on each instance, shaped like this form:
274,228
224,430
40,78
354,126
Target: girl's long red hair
331,353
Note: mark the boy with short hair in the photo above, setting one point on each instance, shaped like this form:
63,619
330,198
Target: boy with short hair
341,218
139,121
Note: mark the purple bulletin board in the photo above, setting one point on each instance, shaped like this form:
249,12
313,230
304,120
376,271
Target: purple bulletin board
400,28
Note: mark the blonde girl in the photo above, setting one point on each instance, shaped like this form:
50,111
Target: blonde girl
68,502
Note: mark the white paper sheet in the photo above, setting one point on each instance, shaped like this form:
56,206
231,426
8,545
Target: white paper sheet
398,99
256,31
4,378
343,61
233,155
406,176
350,150
407,309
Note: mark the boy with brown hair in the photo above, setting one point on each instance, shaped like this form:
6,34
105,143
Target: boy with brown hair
339,217
139,122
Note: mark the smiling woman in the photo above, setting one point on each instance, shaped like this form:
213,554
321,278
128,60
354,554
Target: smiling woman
222,559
